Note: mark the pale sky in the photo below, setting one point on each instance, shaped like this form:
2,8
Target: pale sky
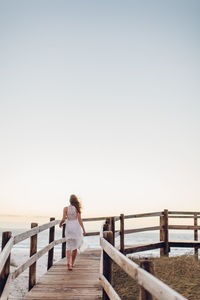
100,99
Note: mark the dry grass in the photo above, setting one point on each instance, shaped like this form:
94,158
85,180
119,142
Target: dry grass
181,273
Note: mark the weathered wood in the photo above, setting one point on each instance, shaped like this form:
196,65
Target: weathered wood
164,233
107,262
122,233
51,239
153,214
6,290
152,284
185,244
195,236
184,227
63,244
112,223
33,250
5,253
23,236
181,217
144,247
128,231
6,235
35,257
106,225
92,233
98,219
148,266
58,283
93,219
170,212
111,293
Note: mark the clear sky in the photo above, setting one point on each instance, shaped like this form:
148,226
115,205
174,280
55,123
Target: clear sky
100,99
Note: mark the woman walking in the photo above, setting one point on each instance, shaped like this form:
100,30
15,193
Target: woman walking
73,232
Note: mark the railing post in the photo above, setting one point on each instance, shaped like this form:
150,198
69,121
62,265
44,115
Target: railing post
33,250
122,233
148,266
164,233
195,236
63,244
6,235
112,223
51,239
107,262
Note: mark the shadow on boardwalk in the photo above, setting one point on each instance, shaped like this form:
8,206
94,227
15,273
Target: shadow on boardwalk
81,283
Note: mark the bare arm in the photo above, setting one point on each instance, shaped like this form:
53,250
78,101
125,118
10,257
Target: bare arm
80,222
64,216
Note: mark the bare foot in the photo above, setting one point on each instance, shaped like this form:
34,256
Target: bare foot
69,267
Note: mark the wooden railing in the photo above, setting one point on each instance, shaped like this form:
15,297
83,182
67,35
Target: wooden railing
8,241
107,241
151,286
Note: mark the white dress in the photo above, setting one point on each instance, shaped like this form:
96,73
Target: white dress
73,231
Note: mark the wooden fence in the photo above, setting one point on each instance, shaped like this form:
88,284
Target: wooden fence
107,241
8,241
151,287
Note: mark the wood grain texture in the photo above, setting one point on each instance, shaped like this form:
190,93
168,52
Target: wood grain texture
81,283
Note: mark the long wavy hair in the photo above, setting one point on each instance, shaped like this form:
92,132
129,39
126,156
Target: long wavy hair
75,202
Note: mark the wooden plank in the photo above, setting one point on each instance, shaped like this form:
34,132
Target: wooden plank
122,233
109,289
63,253
33,250
183,212
6,290
23,236
185,244
148,266
94,219
107,262
153,214
92,233
144,247
128,231
196,236
185,227
5,253
152,284
35,257
51,239
181,217
6,236
82,283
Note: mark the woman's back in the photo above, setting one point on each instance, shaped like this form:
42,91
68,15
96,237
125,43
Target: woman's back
71,213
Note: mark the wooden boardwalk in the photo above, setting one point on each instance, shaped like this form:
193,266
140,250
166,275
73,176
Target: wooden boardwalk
81,283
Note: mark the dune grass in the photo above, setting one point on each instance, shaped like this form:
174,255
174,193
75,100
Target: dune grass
181,273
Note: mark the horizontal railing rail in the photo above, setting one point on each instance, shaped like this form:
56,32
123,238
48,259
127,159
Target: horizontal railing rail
165,244
155,287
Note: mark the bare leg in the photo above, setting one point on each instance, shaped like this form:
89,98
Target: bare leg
74,252
69,254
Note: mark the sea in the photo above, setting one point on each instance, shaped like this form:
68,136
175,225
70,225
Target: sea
92,242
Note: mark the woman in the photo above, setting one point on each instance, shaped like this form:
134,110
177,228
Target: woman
73,233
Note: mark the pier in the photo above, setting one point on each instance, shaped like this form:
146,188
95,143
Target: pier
91,277
81,283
